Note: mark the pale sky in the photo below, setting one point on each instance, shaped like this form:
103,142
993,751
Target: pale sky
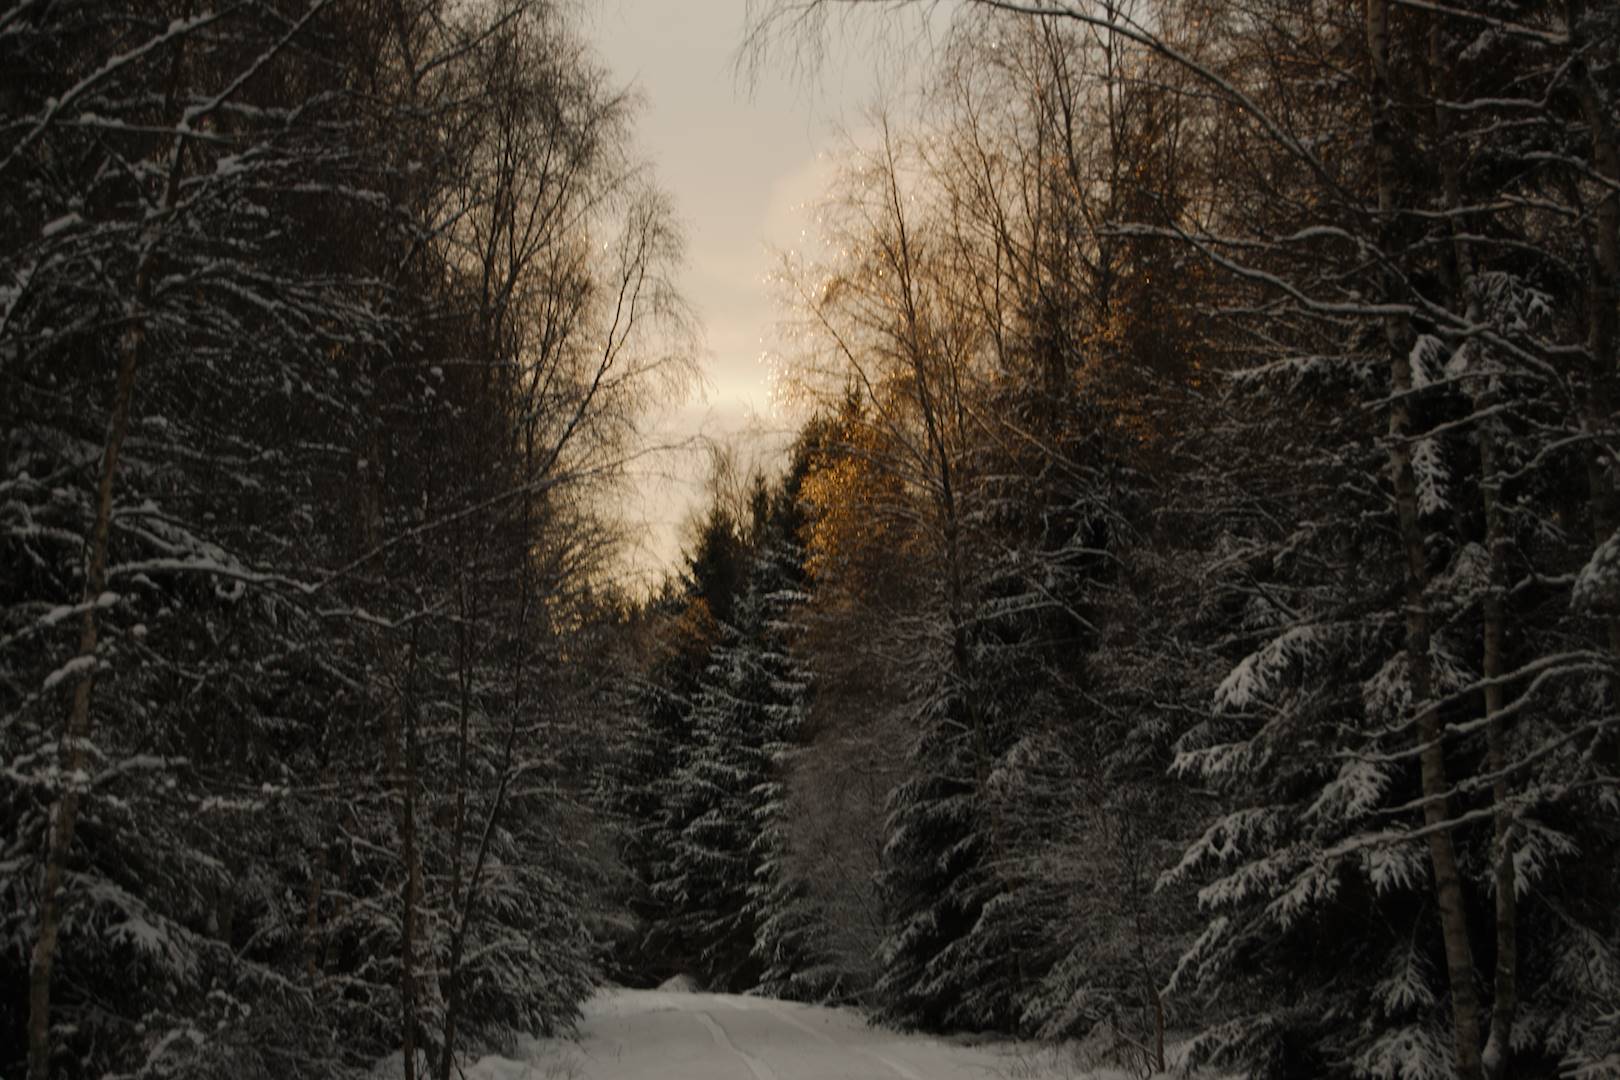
744,166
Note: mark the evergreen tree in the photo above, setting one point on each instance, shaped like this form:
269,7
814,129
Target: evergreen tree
661,741
790,926
747,713
654,738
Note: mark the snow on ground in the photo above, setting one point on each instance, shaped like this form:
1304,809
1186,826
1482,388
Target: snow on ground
664,1035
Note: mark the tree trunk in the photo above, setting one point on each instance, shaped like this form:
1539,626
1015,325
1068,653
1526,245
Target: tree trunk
131,357
1504,1003
413,871
1485,395
413,885
458,944
453,975
469,902
319,867
1466,1023
77,731
1602,300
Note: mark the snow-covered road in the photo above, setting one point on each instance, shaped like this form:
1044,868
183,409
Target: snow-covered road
655,1035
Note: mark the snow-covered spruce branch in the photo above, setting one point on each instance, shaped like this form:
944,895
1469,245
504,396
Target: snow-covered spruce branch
1514,804
1596,729
1543,669
360,614
57,615
1455,324
212,568
175,31
1506,26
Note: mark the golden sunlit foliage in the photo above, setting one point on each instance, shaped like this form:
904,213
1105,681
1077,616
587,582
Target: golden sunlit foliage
850,502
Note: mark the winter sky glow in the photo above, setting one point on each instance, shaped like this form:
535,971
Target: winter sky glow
743,165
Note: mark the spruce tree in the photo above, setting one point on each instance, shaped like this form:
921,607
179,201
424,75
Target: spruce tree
789,926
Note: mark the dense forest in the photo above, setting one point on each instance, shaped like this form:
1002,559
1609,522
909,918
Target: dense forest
1189,611
325,331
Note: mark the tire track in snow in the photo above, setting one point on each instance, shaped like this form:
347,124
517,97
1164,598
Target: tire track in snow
785,1014
760,1070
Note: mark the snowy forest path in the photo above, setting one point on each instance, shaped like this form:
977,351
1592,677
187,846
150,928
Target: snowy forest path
643,1034
760,1070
